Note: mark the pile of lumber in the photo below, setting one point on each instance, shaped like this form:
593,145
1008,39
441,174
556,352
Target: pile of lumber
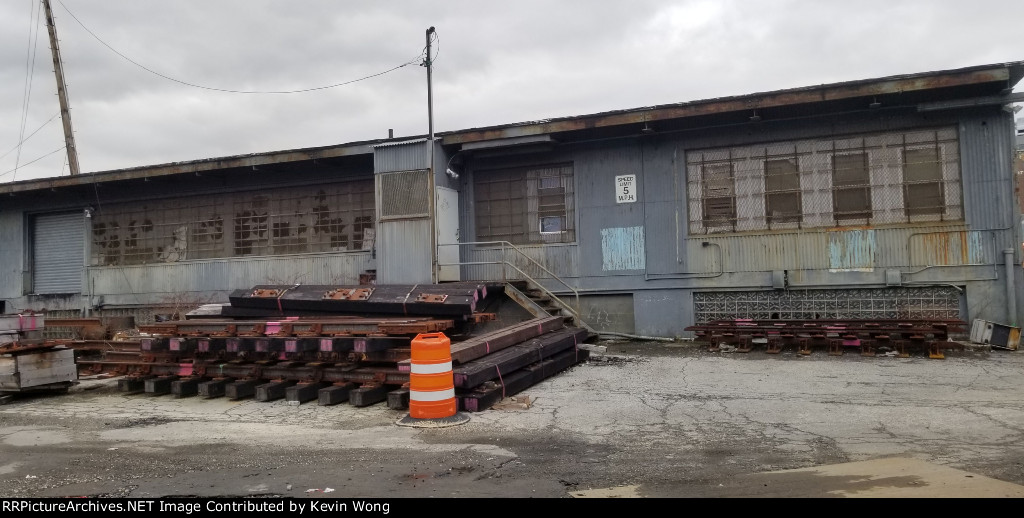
29,363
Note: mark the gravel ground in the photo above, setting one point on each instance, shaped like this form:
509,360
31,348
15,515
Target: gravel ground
641,419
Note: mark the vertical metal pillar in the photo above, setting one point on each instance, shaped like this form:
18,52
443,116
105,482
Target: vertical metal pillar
1011,293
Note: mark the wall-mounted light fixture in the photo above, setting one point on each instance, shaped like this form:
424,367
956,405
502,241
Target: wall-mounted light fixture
875,104
448,168
755,117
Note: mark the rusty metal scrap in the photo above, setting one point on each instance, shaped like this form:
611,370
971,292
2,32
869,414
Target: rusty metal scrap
431,297
349,294
836,335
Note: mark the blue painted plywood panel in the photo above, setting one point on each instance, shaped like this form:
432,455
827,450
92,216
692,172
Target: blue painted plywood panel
622,248
851,250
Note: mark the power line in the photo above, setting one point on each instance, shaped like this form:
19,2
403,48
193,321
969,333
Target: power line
32,162
30,66
24,140
186,83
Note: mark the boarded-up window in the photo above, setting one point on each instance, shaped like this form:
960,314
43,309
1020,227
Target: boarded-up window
719,195
525,205
851,186
878,178
923,192
336,217
782,190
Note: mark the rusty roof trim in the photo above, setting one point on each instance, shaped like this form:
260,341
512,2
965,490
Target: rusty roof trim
1007,73
193,166
394,143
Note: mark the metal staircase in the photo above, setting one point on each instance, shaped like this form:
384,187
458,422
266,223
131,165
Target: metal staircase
526,289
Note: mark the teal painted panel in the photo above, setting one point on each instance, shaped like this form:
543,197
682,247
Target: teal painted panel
975,248
851,250
622,249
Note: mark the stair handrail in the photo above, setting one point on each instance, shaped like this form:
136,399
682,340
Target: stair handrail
572,309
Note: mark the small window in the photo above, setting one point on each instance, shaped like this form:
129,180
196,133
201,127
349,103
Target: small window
719,194
851,186
782,190
552,224
923,191
551,204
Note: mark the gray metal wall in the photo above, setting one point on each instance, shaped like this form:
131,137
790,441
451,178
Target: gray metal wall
171,283
12,253
644,247
404,244
210,280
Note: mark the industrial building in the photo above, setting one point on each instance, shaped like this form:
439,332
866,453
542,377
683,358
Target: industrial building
880,198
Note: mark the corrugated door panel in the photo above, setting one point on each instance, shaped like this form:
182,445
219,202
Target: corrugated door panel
57,254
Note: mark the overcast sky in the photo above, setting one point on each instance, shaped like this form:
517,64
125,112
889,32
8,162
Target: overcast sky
495,63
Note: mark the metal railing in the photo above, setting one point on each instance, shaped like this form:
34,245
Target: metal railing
505,247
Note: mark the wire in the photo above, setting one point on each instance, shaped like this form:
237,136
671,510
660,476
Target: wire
437,46
30,135
186,83
32,162
30,66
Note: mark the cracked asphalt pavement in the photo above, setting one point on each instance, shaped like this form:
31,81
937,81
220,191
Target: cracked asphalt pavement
642,419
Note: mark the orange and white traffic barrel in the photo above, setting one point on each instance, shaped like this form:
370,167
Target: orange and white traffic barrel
431,380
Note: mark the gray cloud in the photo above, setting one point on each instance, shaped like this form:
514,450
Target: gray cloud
497,62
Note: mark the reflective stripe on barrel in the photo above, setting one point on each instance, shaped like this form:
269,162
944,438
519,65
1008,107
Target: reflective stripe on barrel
431,395
431,379
427,368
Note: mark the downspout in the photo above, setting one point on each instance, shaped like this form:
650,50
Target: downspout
86,309
1011,293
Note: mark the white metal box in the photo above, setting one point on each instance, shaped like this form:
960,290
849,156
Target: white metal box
994,334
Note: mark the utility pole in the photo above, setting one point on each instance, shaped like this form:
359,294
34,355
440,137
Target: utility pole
430,94
65,112
427,62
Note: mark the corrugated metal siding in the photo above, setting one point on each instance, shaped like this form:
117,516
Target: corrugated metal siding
404,255
162,280
893,247
756,253
561,260
401,156
12,252
58,253
951,248
986,153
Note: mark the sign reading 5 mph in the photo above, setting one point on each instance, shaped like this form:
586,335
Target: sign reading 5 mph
625,188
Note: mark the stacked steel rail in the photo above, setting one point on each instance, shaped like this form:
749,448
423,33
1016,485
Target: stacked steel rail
835,335
332,352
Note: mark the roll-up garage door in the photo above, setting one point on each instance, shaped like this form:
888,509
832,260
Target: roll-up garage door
57,253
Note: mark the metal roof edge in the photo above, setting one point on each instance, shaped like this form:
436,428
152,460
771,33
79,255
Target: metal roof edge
1013,72
193,166
400,143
